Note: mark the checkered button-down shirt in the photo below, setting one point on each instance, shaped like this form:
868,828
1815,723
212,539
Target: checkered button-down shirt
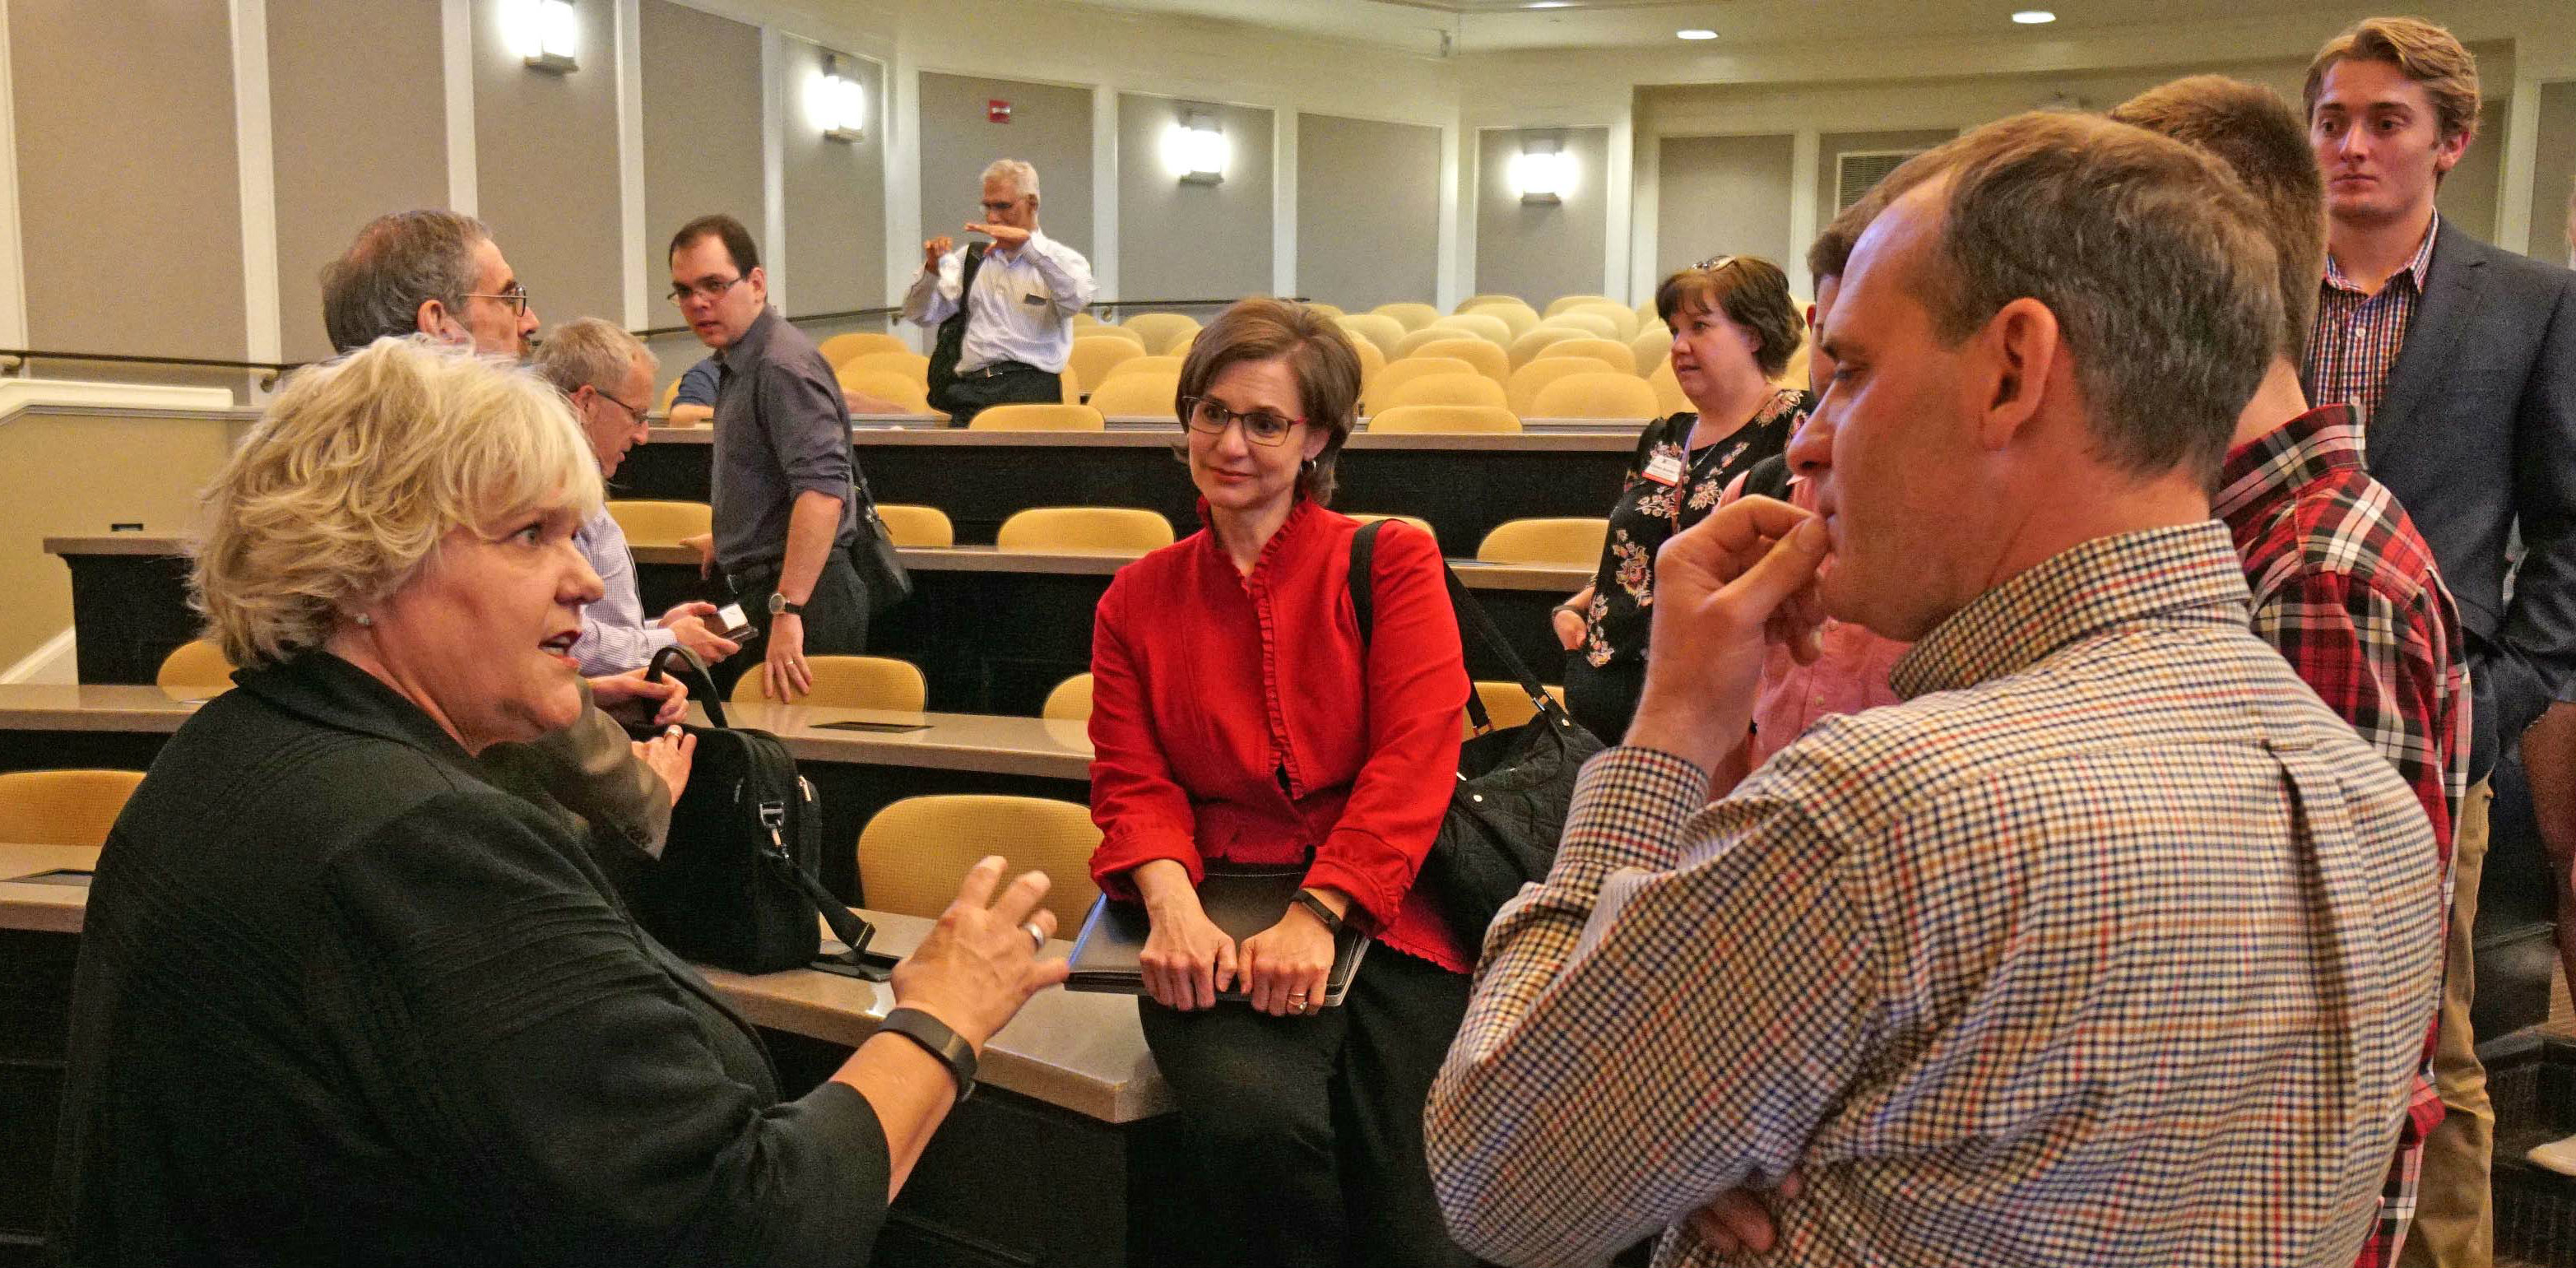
2346,589
2357,336
2111,945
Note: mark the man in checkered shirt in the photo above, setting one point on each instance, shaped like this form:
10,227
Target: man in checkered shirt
2111,945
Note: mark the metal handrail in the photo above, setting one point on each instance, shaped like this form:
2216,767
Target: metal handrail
842,315
14,359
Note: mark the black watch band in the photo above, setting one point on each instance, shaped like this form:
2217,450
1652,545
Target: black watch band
779,606
1323,911
938,1040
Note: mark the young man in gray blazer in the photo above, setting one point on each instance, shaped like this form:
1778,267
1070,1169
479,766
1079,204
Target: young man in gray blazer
2461,359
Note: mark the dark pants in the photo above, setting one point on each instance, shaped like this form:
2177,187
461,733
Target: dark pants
1009,383
1604,700
836,614
1307,1131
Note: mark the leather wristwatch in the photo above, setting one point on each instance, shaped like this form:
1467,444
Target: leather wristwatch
939,1041
779,606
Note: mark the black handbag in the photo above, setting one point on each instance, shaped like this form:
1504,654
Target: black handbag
952,335
735,885
880,565
1514,787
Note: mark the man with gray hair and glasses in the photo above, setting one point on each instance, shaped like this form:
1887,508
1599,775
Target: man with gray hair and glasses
1017,297
607,375
2110,944
427,272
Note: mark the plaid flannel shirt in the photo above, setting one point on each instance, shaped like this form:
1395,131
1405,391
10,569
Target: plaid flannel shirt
2357,336
2109,946
2346,589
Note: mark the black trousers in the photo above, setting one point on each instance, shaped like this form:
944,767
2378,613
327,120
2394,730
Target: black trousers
836,614
1014,384
1306,1132
1603,699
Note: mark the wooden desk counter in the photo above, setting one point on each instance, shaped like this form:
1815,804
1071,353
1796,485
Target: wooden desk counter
1464,484
993,631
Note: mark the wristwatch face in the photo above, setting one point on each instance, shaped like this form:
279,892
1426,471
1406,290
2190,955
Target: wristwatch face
779,606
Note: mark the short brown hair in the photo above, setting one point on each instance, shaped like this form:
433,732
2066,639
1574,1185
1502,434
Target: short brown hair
1830,253
1752,292
1319,354
2424,52
736,239
2151,256
2250,129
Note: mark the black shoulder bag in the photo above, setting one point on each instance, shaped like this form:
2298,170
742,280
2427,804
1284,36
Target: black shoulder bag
1513,789
735,886
952,334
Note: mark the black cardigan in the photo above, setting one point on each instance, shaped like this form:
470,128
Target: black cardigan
340,1000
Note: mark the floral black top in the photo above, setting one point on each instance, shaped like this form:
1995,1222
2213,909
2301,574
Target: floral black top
1666,491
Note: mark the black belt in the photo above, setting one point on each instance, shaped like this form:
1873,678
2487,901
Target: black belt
1000,368
764,575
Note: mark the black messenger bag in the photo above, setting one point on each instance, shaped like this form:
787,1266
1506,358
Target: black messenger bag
952,334
735,885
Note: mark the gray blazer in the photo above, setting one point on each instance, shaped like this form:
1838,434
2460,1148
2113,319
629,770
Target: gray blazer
2477,437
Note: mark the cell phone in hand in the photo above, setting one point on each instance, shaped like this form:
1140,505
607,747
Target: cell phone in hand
734,624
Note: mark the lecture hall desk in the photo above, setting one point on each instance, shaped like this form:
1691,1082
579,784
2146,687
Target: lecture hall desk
855,773
1463,484
1063,1157
993,631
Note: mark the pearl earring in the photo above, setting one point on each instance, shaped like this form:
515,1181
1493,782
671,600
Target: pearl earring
364,619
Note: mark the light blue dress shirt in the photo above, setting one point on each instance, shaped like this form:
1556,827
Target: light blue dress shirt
1023,305
616,636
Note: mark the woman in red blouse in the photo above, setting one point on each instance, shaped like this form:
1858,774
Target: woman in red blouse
1236,717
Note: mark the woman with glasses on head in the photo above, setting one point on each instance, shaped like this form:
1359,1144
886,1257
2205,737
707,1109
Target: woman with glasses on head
1734,328
1238,715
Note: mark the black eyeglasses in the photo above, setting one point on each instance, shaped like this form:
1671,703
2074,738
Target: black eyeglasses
631,412
1260,426
516,297
708,290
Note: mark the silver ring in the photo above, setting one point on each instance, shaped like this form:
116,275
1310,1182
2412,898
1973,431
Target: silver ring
1036,935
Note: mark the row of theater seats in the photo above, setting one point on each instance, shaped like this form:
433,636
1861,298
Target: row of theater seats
1488,365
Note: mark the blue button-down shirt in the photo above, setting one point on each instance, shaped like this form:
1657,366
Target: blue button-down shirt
1023,305
616,636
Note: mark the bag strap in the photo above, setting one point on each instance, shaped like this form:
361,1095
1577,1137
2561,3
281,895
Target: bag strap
693,668
1363,605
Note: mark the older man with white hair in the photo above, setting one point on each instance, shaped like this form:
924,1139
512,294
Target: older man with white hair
1010,302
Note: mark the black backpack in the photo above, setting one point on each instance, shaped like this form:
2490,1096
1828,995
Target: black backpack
952,334
735,885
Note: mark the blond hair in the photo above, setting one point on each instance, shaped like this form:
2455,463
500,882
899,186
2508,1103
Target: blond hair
2423,52
343,489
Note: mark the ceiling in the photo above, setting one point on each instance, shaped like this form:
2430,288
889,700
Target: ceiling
1438,27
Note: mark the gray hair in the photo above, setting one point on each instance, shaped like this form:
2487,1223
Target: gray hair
2154,259
399,262
590,351
1023,177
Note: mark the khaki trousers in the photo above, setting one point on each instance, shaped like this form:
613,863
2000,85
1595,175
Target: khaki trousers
2454,1216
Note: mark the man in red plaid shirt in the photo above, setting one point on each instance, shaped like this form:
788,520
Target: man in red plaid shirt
2342,582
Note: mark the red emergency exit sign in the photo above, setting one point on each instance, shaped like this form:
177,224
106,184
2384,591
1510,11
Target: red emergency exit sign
997,111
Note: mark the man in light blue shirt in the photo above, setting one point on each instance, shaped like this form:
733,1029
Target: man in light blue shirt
1019,318
607,374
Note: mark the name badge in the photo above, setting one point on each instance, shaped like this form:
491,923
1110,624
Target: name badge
1665,468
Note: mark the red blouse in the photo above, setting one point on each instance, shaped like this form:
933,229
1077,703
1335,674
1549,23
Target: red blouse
1232,717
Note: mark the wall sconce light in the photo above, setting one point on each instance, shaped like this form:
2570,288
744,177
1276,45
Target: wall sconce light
838,100
1195,149
1543,173
545,33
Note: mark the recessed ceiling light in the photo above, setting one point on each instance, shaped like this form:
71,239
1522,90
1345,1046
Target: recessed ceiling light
2034,17
1696,33
1549,4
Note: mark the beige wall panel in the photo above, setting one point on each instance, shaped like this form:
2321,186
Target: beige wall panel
1723,195
354,137
1187,241
1833,145
1050,128
70,474
2554,173
835,251
545,159
701,130
128,188
1539,251
2468,195
1368,211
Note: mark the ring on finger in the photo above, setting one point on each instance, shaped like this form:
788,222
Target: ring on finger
1036,936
